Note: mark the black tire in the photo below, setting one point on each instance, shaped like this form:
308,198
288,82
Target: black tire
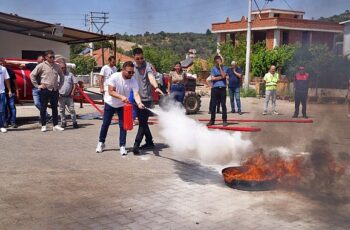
192,102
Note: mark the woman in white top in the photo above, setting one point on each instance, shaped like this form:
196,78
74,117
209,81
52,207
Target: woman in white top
177,80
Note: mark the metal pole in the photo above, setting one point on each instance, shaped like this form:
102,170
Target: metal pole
247,57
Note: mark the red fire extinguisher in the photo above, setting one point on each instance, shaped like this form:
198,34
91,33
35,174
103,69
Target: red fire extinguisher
128,122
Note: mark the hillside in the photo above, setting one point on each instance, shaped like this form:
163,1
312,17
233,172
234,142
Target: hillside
338,17
180,43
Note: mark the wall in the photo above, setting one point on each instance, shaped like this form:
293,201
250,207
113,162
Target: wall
269,39
12,44
323,38
346,43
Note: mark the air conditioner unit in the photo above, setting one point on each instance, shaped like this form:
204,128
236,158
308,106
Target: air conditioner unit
57,30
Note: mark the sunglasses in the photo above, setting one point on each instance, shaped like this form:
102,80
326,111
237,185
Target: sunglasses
131,72
51,57
139,59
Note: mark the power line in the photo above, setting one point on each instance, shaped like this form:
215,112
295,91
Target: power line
288,4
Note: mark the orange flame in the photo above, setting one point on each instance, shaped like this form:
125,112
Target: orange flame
262,167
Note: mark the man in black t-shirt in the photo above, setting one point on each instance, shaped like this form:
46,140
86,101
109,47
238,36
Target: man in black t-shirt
10,111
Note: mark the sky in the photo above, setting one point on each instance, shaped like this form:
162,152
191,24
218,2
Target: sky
140,16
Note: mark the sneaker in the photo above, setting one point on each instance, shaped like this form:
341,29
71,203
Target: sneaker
240,112
43,128
3,130
136,149
264,113
63,124
123,151
233,111
75,125
57,128
295,116
304,116
210,123
275,112
148,146
14,125
225,124
100,147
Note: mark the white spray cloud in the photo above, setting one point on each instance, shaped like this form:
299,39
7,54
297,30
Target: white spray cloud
190,138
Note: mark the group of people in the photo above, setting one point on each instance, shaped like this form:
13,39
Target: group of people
223,79
136,77
50,82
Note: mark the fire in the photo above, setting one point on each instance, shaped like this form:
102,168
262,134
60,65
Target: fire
261,167
267,167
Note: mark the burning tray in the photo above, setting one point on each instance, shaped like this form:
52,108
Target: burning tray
234,178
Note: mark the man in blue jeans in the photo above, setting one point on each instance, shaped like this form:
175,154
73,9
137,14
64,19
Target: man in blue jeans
10,111
35,90
119,86
4,81
234,83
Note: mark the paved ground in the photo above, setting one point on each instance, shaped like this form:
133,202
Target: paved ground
55,180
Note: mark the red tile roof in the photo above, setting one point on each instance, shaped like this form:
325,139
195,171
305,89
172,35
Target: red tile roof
107,53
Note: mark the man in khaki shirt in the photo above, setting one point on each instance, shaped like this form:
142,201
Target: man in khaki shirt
51,78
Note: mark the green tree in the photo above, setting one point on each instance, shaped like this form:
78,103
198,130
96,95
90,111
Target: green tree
84,64
162,59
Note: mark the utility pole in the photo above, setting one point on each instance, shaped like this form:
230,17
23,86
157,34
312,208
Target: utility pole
96,20
247,57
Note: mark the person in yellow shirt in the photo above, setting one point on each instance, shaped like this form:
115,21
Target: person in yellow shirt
271,78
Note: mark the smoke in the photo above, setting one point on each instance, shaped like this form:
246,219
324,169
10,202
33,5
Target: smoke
190,138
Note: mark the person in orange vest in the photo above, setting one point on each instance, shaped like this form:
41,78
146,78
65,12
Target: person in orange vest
301,88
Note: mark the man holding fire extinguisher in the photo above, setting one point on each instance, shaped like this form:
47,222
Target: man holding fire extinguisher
120,85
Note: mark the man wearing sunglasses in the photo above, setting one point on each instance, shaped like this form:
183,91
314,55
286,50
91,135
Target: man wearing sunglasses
51,79
120,85
146,80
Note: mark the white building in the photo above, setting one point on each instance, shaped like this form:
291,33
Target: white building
26,38
346,42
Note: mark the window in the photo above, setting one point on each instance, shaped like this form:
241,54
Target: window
285,37
276,15
306,38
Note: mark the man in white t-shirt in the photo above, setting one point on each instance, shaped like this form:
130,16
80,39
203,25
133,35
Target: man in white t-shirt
105,74
4,80
120,85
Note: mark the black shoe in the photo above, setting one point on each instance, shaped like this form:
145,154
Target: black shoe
14,125
63,124
225,124
210,123
233,111
75,125
136,149
148,146
295,116
240,112
304,116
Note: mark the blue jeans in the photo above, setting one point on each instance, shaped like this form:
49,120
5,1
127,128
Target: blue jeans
235,94
109,111
178,90
2,109
10,111
36,99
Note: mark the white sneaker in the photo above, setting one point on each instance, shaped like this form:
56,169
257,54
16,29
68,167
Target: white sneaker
3,130
123,151
100,147
43,128
276,113
264,113
57,128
